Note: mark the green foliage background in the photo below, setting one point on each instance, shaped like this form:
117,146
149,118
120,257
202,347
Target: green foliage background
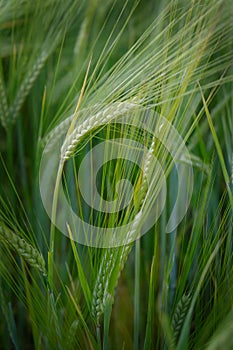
166,291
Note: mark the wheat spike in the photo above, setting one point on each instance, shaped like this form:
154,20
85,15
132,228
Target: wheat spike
102,284
102,289
114,258
23,248
27,85
179,316
103,117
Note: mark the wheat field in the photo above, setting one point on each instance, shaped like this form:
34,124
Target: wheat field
116,168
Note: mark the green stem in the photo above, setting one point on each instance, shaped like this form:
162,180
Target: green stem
10,150
172,245
98,337
52,229
107,317
137,296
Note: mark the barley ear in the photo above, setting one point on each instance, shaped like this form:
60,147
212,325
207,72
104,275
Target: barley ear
100,292
104,116
23,248
26,85
179,316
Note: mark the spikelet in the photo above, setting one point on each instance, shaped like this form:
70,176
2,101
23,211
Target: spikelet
23,248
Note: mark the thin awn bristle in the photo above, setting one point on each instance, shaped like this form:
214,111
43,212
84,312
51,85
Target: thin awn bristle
54,135
102,291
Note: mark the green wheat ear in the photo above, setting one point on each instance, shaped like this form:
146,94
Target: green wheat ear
179,316
23,248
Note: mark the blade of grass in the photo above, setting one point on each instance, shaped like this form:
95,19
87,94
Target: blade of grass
218,148
183,339
81,273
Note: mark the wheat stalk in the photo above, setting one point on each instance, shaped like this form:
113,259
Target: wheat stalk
23,248
232,170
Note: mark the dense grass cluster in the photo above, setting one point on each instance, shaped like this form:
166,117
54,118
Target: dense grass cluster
70,72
